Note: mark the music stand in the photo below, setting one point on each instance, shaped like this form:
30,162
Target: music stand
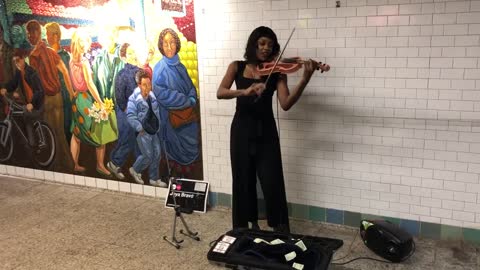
177,212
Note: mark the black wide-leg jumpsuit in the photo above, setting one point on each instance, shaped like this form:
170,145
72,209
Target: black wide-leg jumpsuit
255,150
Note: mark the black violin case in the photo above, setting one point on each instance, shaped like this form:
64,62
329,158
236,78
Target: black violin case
238,249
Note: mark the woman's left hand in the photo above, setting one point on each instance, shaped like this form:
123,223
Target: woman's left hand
309,68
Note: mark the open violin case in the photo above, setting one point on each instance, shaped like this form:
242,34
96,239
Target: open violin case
256,249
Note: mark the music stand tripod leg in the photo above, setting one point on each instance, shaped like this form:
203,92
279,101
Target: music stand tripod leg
174,242
177,213
189,233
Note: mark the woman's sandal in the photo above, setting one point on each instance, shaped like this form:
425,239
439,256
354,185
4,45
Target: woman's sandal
79,169
103,173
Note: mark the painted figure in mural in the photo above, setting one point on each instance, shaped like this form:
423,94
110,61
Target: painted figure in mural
48,65
27,90
6,56
19,37
177,96
91,125
254,141
107,63
144,116
54,35
125,83
6,68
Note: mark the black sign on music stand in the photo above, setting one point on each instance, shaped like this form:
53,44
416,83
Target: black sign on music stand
189,194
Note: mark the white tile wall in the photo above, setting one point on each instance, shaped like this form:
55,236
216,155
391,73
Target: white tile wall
400,105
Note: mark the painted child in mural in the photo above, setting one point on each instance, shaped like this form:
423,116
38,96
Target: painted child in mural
177,96
144,116
54,35
90,126
48,65
6,68
125,83
28,91
107,63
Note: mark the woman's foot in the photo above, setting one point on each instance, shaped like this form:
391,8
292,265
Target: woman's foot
103,171
79,169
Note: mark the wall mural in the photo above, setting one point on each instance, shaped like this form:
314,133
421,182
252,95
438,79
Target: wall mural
101,88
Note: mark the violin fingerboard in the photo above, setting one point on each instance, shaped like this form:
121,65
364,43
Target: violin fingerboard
289,60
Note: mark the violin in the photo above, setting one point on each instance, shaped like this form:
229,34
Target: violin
285,66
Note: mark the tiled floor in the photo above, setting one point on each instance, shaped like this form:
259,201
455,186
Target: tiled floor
51,226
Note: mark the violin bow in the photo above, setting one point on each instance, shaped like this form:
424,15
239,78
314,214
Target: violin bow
277,60
279,56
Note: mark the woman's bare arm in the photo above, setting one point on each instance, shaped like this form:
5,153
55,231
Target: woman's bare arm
224,90
287,99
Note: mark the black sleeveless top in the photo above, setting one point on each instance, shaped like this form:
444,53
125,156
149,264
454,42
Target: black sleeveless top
254,117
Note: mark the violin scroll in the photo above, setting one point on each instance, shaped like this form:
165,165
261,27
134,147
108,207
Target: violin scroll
323,67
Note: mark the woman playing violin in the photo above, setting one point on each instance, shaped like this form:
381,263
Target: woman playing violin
254,141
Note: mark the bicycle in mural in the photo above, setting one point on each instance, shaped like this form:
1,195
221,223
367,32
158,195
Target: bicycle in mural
43,152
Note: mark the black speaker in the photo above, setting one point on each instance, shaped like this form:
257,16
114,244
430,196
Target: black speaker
387,240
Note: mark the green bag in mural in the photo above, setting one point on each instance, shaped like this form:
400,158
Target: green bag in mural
105,131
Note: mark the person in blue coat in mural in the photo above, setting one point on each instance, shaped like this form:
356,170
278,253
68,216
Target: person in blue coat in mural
177,96
143,115
125,83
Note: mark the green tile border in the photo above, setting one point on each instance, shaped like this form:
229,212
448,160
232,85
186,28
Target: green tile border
451,232
392,220
224,199
430,230
352,219
317,214
300,211
370,217
471,235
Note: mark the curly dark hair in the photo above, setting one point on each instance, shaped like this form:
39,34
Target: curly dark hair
251,49
141,74
162,35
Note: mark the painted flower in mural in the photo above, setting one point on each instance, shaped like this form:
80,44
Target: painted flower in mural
99,112
108,103
103,115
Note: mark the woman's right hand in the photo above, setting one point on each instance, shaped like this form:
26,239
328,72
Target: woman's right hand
254,89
